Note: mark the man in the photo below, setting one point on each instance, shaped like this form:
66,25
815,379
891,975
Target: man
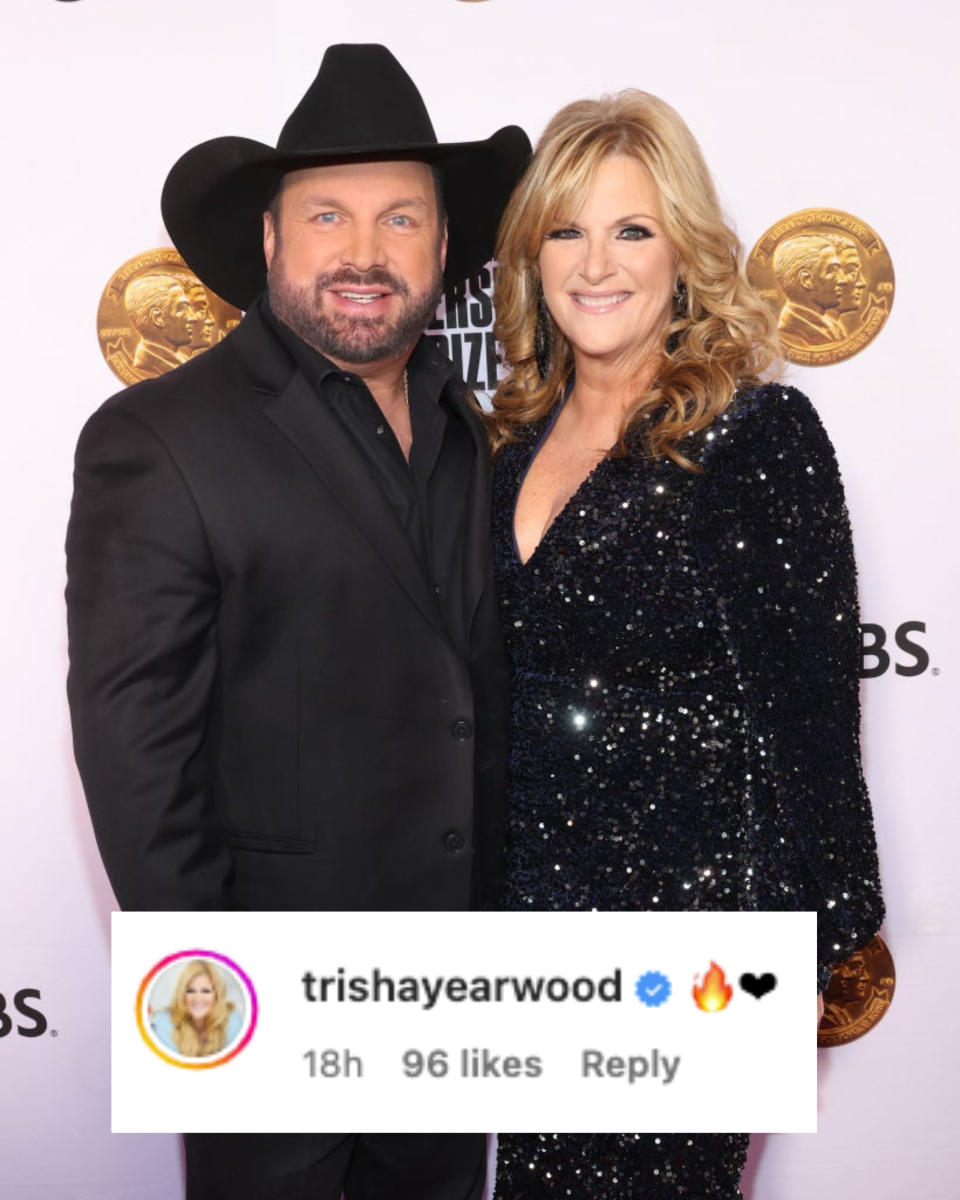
808,270
850,280
201,336
286,679
160,311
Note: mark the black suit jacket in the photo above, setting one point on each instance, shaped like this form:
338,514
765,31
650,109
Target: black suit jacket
267,710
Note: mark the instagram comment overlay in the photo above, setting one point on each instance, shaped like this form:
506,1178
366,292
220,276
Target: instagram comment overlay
452,1022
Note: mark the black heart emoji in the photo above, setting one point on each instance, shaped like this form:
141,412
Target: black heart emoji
758,985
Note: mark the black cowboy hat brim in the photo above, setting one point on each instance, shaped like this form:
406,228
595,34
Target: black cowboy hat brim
215,195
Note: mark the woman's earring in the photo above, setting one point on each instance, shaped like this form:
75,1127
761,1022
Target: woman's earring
681,299
543,337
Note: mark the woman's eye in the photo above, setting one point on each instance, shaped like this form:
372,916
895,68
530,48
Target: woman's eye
634,233
556,235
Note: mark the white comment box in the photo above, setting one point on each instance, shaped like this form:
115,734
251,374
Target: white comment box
429,1022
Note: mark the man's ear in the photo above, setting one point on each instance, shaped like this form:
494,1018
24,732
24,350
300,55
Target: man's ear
269,238
443,248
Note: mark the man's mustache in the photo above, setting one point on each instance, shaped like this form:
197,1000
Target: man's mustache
375,277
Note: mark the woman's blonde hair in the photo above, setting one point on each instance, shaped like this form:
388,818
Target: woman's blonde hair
723,338
186,1037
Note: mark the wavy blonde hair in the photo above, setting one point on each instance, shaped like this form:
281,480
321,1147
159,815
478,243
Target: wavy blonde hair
186,1037
724,338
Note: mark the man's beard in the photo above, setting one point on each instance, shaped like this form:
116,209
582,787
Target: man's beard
352,339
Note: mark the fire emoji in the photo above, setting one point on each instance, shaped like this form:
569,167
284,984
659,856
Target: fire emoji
715,992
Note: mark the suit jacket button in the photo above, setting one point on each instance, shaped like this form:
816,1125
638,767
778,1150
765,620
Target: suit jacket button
461,729
454,841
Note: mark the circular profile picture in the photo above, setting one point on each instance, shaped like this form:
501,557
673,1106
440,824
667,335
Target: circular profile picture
196,1009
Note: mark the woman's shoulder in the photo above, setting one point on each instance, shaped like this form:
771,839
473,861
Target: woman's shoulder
234,1024
512,456
162,1024
530,432
767,404
770,423
769,451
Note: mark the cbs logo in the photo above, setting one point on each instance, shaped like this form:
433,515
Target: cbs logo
876,655
22,1011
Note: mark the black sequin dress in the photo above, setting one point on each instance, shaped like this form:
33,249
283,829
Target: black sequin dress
685,724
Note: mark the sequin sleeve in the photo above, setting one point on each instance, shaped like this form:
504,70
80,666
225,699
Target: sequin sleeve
775,542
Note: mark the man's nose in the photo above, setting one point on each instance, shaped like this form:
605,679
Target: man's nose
363,247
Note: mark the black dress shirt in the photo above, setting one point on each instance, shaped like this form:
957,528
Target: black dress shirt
428,494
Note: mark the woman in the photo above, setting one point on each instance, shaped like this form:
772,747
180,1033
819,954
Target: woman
678,591
200,1020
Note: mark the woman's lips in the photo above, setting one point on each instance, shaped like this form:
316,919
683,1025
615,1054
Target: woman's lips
597,302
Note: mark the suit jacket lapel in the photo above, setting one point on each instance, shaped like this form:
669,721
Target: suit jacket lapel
292,405
323,442
477,550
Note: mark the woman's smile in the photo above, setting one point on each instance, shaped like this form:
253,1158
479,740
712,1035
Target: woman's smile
599,302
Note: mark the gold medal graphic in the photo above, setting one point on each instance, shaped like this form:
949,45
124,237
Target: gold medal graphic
829,279
858,995
155,314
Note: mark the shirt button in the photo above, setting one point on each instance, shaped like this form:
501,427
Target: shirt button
436,589
461,729
454,841
381,430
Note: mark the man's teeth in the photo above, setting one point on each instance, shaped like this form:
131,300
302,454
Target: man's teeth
362,297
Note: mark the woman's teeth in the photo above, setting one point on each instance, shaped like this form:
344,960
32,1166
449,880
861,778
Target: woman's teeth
600,301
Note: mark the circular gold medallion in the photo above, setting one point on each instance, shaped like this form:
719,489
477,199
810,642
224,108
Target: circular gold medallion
829,279
155,314
858,994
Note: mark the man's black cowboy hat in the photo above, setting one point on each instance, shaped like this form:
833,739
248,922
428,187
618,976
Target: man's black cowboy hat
361,106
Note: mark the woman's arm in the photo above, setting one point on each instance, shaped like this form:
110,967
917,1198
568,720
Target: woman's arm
776,547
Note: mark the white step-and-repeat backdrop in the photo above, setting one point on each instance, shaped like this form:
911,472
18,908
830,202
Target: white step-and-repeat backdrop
847,105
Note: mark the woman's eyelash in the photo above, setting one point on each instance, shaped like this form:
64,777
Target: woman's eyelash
566,232
635,232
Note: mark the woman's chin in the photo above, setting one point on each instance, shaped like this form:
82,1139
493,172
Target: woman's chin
601,351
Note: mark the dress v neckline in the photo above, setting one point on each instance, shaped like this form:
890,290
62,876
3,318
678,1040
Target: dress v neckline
561,512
